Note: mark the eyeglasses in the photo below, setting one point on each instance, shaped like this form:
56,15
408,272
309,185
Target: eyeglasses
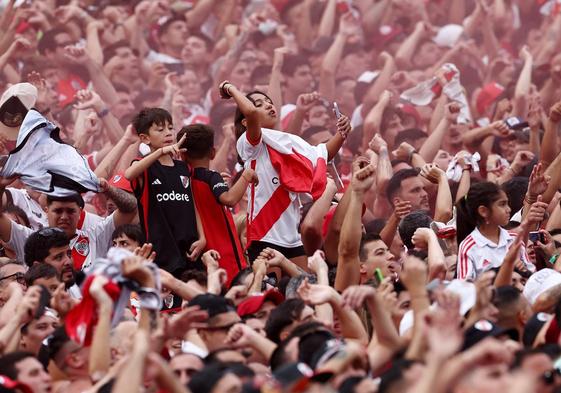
19,277
548,377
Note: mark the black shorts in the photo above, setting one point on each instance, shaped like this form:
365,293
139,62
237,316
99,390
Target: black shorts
256,247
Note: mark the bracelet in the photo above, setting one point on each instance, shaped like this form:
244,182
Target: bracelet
553,259
411,153
104,112
530,200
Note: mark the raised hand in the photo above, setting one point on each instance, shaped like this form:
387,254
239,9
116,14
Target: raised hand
432,173
403,152
414,273
402,208
421,237
306,101
317,264
135,268
175,149
377,143
210,260
344,126
555,112
88,99
272,256
145,251
314,294
452,111
539,181
98,293
363,178
356,295
76,54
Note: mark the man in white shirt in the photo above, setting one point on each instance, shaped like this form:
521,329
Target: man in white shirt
64,213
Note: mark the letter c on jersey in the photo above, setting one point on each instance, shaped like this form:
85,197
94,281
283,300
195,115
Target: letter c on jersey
275,180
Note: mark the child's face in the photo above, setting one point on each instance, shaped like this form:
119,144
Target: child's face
159,135
500,211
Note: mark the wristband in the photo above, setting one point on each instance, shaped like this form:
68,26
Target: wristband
104,112
553,259
411,153
149,298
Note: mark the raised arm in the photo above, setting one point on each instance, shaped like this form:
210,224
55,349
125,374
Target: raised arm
348,266
432,144
246,107
235,194
522,90
443,208
311,228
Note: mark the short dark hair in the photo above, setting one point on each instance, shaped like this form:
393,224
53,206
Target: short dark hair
39,270
47,41
110,51
199,140
409,135
311,131
410,223
76,198
366,238
149,116
395,182
8,363
206,379
240,276
56,341
292,62
282,316
213,304
166,25
38,244
132,231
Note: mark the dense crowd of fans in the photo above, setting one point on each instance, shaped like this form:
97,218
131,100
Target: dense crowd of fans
280,196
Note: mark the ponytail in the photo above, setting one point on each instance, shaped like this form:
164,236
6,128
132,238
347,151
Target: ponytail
465,221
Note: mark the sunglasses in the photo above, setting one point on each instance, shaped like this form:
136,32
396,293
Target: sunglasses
19,277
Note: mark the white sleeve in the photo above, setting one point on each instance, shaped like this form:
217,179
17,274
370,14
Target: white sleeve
246,150
18,237
101,234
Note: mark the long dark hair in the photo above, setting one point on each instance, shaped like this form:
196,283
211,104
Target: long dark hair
238,126
467,216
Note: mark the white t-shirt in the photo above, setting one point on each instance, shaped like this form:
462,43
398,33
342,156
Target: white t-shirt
477,254
284,232
86,246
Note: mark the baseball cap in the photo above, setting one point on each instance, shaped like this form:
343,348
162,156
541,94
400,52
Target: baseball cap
540,282
533,327
448,35
488,94
483,329
253,303
120,181
25,92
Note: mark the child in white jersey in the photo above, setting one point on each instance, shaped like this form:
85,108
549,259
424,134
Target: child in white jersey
481,214
286,166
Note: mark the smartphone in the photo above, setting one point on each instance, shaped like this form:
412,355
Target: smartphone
336,110
378,276
178,68
44,301
535,236
335,175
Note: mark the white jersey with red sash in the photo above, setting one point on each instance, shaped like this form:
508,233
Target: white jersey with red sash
286,166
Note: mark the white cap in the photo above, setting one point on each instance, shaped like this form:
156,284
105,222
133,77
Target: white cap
26,92
540,282
448,35
466,291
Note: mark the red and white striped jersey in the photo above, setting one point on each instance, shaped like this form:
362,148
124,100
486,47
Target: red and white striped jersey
286,165
477,254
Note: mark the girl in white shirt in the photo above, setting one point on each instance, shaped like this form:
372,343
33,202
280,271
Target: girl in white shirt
273,211
481,214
